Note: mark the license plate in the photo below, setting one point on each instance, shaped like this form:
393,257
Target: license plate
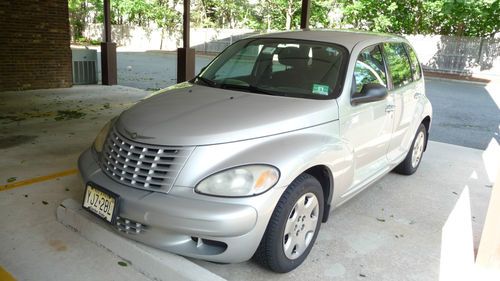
101,202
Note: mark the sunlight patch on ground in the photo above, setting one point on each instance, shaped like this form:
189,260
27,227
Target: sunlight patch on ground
491,159
457,249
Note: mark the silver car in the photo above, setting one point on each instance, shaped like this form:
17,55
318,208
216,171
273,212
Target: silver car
250,157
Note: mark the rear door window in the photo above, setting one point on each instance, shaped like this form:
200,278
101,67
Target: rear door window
399,64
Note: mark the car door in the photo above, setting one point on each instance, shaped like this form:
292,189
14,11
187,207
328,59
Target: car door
368,126
404,93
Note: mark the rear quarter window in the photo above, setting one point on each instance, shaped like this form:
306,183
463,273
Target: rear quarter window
415,65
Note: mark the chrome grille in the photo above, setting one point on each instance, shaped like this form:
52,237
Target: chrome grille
140,165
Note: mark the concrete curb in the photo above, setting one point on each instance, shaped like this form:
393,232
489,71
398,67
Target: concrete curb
153,263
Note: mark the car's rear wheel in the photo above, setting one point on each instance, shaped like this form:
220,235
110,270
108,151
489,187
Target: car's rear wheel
414,157
293,227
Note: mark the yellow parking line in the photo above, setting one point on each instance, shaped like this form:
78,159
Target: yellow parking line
37,179
5,275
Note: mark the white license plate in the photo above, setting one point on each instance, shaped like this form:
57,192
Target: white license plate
100,203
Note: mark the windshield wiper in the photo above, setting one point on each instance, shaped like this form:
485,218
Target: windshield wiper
207,81
249,88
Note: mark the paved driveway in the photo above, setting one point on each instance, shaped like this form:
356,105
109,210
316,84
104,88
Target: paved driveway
464,113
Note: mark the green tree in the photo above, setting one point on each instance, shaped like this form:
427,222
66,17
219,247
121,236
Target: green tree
445,17
82,12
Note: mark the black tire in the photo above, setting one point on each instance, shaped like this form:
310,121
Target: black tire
408,167
271,251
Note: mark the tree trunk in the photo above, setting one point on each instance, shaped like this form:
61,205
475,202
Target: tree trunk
161,37
288,22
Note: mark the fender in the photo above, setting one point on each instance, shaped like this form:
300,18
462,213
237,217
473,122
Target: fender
292,153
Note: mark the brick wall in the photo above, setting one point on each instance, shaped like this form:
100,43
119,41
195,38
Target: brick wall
34,44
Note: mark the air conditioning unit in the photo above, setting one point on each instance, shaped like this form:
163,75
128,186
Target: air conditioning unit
84,66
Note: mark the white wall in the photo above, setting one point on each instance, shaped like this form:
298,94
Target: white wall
136,38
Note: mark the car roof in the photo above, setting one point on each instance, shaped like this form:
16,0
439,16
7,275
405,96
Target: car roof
346,38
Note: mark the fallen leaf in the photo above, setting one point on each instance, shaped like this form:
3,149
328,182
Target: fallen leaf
45,202
381,220
122,263
12,179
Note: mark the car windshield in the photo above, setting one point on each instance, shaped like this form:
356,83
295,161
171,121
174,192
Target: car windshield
283,67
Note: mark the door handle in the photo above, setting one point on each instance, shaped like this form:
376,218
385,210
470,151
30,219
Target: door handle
417,96
390,108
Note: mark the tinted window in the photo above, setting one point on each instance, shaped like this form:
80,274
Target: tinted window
399,64
369,68
415,65
284,67
240,64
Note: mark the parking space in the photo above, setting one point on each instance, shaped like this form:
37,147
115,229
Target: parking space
42,133
390,230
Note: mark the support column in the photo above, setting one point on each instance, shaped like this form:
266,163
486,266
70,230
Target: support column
305,15
185,55
108,50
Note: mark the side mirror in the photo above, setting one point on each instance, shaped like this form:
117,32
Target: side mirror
369,93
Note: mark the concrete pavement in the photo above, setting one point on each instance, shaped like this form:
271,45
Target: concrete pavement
43,132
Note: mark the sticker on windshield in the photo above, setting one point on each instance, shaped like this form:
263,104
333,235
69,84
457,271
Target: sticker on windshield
320,89
268,50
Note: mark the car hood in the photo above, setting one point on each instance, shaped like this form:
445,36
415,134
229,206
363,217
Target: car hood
188,114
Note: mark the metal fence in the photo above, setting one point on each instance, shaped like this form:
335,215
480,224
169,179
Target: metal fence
463,55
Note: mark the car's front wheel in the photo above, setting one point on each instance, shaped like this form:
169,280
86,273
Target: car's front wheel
293,227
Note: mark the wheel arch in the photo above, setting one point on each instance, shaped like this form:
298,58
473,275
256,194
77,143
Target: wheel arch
427,123
324,175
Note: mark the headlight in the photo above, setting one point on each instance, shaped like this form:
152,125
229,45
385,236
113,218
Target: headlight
101,137
240,181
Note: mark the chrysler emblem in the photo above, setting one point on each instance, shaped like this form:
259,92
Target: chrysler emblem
134,135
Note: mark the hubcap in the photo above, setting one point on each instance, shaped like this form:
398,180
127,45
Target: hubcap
301,226
418,149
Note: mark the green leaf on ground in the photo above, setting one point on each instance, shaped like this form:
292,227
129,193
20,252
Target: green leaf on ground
122,263
12,179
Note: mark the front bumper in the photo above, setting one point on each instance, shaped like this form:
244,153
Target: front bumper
184,222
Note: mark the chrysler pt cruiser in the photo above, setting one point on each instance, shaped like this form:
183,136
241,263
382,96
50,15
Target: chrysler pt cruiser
251,156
